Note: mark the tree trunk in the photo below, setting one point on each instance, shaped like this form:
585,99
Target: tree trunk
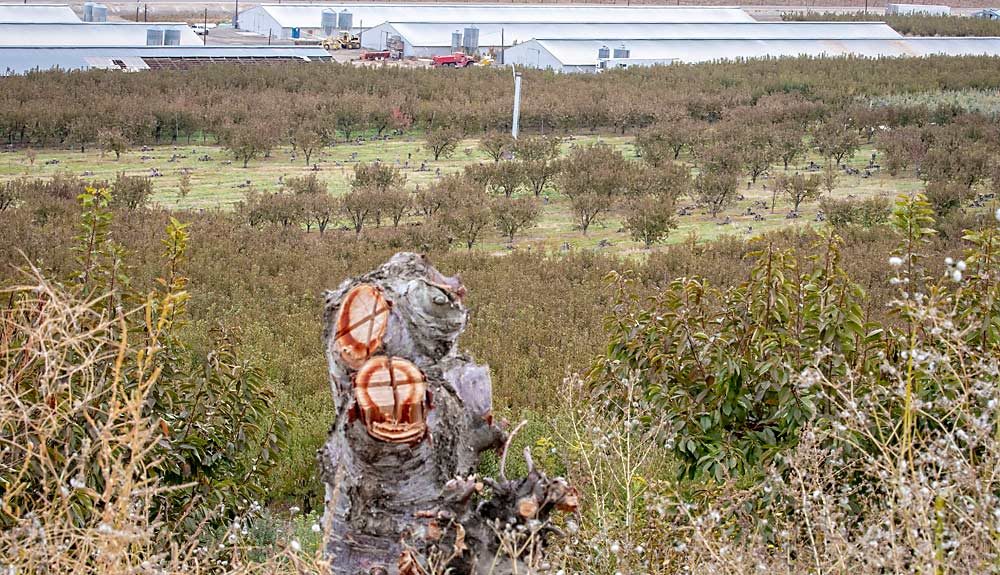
412,418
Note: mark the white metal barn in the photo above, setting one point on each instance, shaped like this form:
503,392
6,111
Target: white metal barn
987,14
286,20
21,60
925,9
583,55
426,39
37,13
96,34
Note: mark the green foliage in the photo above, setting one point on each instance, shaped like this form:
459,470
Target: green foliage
722,365
736,374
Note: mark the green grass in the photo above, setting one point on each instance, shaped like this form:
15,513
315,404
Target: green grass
221,182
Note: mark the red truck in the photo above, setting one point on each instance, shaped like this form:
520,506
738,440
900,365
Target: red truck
456,60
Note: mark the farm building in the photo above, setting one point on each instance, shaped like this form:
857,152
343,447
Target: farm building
34,13
291,20
585,55
98,34
988,14
21,60
433,39
926,9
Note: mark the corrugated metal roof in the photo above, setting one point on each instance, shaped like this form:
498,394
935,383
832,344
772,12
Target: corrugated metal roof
34,13
439,34
369,15
584,52
88,34
19,60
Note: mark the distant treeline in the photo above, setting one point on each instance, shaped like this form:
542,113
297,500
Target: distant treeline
908,25
82,109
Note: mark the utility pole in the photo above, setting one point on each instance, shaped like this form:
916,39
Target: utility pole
502,45
236,16
145,12
204,36
516,121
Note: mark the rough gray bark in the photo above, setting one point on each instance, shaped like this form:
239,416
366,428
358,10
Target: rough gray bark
402,497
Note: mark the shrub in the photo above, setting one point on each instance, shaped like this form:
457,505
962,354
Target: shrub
131,192
897,453
868,212
11,192
125,423
650,218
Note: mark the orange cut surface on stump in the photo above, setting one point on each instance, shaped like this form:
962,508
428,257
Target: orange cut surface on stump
361,324
392,397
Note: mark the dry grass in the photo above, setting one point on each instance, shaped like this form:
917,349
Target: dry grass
89,506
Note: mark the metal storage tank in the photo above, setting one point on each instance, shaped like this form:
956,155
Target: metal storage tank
171,37
470,39
154,37
328,21
456,41
621,52
100,13
88,11
345,20
603,53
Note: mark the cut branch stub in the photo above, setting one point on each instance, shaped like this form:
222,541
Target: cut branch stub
361,324
391,396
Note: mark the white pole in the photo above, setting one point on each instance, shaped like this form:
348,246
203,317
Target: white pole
517,106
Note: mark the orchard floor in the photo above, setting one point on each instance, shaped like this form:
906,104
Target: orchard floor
219,182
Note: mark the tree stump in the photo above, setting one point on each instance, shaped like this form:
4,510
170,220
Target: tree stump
412,418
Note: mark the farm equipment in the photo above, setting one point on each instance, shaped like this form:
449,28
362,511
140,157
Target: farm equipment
377,55
456,60
345,41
